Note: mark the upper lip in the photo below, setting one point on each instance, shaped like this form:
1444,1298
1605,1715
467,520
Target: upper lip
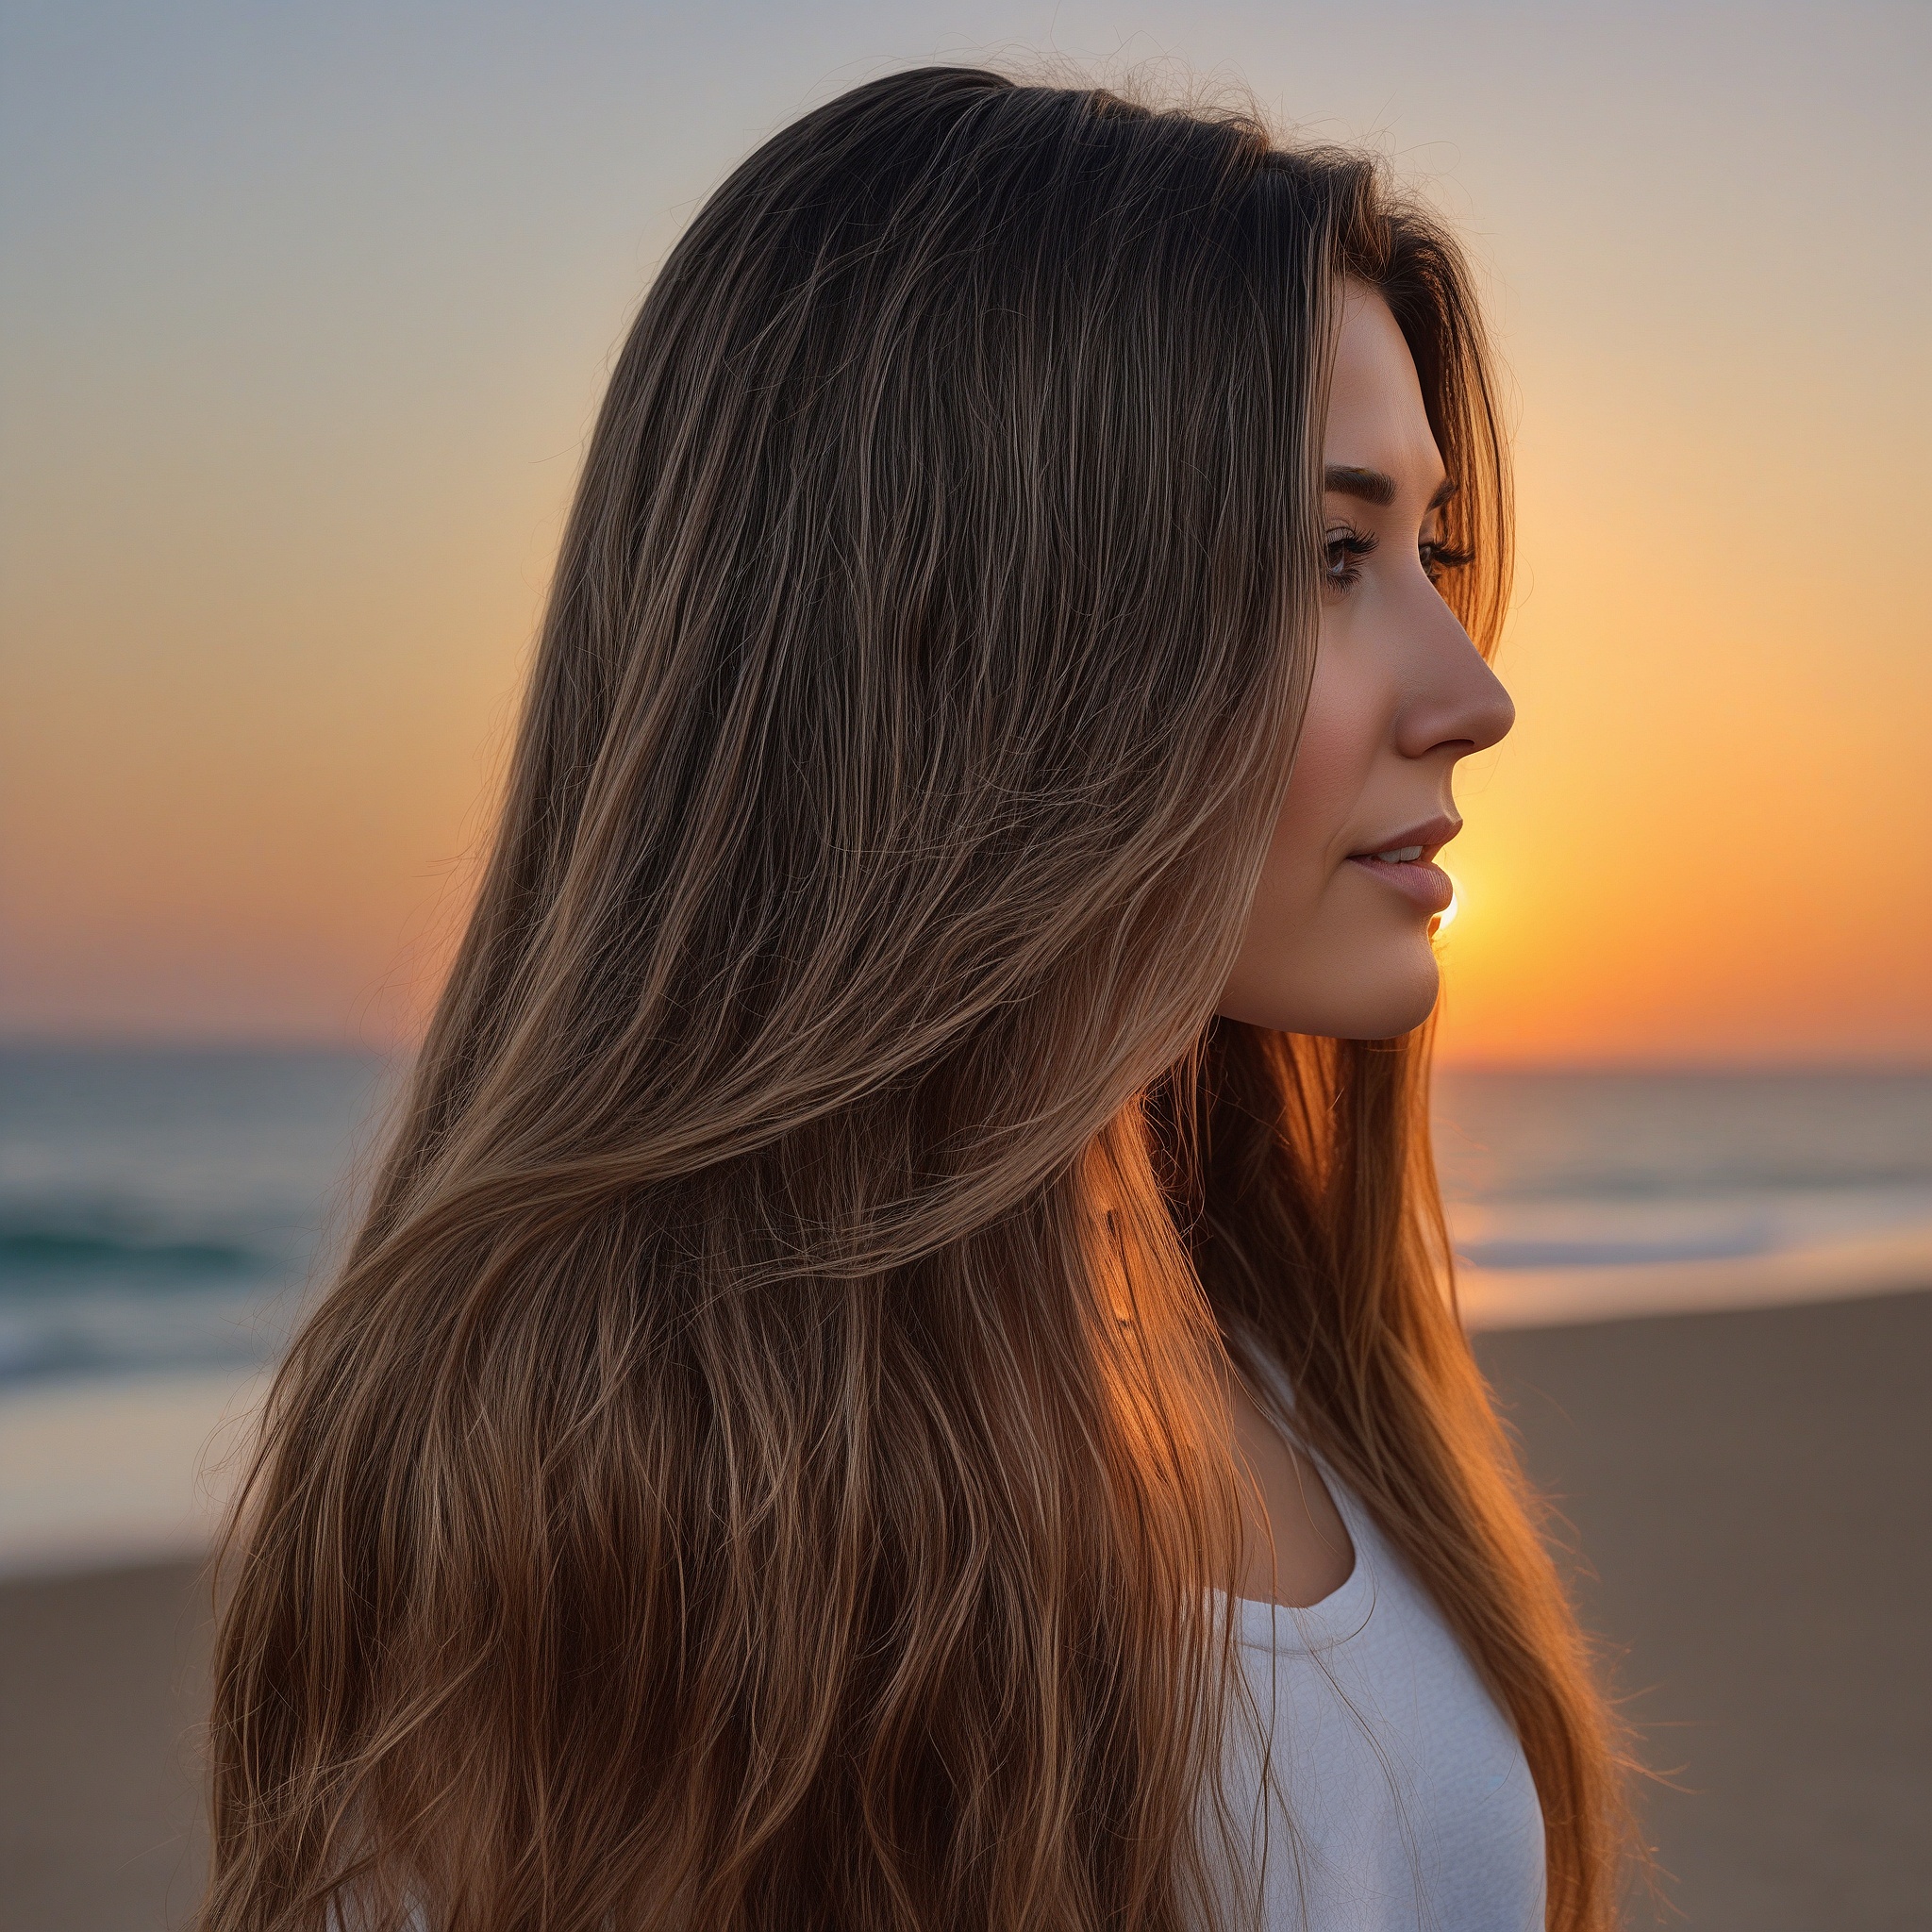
1431,834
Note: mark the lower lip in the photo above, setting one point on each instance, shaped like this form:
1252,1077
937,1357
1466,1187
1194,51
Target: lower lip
1429,886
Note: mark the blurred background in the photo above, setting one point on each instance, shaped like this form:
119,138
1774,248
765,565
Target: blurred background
307,312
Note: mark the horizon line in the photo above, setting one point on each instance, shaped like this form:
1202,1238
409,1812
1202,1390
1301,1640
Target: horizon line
136,1040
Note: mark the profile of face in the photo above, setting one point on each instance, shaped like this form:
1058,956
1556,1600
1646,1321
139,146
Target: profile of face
1339,937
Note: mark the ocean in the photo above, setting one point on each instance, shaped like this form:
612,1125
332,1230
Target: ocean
164,1213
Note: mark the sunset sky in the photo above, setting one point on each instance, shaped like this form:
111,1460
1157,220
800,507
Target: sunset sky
308,308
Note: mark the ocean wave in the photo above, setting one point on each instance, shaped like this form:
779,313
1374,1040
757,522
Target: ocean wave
108,1287
1533,1252
30,1254
95,1332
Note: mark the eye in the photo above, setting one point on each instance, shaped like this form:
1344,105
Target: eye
1438,558
1343,552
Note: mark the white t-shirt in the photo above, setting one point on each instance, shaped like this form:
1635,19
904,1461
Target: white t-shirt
1400,1796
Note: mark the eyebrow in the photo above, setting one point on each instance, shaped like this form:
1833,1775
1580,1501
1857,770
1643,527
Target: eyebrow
1376,486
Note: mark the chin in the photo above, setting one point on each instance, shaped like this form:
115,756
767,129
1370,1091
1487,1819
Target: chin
1383,1022
1393,996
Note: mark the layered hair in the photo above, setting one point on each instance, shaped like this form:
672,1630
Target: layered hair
763,1462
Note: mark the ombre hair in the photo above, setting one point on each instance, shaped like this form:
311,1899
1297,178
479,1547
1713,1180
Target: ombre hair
764,1464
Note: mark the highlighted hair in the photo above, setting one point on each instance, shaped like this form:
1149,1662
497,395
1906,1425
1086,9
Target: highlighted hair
761,1465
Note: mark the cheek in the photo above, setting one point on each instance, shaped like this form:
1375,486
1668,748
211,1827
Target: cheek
1329,950
1332,764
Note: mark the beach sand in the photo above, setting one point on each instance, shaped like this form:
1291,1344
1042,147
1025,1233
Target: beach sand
103,1682
1752,1489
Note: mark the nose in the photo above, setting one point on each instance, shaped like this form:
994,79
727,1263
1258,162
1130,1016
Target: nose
1454,701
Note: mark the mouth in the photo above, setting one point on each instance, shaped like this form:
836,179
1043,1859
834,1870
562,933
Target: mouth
1406,863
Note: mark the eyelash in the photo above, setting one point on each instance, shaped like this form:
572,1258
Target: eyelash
1355,545
1344,550
1438,557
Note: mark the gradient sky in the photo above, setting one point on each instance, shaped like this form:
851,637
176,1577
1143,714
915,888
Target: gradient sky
308,308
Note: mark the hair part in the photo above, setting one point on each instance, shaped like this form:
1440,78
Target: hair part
763,1462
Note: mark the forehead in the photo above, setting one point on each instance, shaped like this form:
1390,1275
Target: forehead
1375,418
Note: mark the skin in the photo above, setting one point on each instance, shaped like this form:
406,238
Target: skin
1338,943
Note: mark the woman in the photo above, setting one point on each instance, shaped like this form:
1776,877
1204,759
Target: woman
899,1372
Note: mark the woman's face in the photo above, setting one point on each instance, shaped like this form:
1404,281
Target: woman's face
1337,940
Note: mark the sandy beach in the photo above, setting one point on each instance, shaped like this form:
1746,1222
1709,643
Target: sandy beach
1751,1489
103,1685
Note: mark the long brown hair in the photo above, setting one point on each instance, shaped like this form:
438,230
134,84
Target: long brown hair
762,1463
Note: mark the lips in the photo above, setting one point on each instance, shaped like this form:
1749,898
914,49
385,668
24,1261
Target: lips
1405,861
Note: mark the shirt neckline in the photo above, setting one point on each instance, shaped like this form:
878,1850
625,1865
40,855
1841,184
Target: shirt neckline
1331,1620
1336,1618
